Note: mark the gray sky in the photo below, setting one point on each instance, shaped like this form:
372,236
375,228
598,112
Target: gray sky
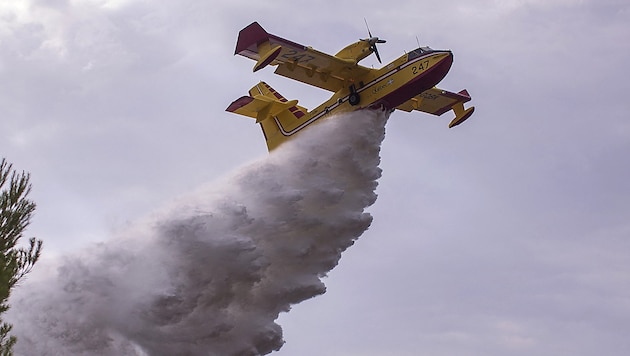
507,235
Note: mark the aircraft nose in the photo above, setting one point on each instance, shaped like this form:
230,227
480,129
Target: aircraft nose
444,65
446,56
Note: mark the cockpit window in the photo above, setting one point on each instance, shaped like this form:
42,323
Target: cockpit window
420,51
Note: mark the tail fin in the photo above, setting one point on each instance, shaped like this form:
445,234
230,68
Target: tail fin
270,110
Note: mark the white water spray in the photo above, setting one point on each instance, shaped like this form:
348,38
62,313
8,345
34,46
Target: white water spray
209,275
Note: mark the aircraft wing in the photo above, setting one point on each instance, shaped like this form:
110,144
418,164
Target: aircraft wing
297,61
437,101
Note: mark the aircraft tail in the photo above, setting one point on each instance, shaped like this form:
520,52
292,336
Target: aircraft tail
270,109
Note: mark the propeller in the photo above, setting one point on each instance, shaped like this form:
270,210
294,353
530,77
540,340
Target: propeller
373,41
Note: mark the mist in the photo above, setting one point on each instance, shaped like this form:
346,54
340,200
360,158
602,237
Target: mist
210,273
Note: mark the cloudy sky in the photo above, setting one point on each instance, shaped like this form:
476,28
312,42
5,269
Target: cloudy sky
508,235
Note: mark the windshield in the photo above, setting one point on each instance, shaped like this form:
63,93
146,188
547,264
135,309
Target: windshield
420,51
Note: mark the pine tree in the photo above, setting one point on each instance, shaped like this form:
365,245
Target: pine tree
15,262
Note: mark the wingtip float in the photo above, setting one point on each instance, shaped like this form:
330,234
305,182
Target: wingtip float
407,83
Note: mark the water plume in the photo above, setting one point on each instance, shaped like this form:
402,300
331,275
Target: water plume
210,274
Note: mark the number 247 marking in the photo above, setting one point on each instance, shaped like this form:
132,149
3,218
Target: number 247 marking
419,68
298,58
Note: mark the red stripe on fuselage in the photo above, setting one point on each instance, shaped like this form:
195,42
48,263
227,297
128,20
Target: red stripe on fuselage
423,82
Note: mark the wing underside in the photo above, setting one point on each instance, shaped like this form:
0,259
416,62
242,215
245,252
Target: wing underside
438,101
297,61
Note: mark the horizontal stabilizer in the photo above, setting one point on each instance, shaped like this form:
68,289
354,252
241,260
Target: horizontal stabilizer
264,102
273,108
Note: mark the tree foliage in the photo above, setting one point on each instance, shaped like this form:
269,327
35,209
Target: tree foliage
15,262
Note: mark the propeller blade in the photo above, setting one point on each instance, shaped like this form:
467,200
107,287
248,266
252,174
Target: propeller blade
375,50
373,41
368,27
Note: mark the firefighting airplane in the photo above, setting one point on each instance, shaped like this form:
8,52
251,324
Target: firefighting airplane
407,83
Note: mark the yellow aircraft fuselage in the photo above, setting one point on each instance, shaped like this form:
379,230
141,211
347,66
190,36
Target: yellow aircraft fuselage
404,83
393,84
